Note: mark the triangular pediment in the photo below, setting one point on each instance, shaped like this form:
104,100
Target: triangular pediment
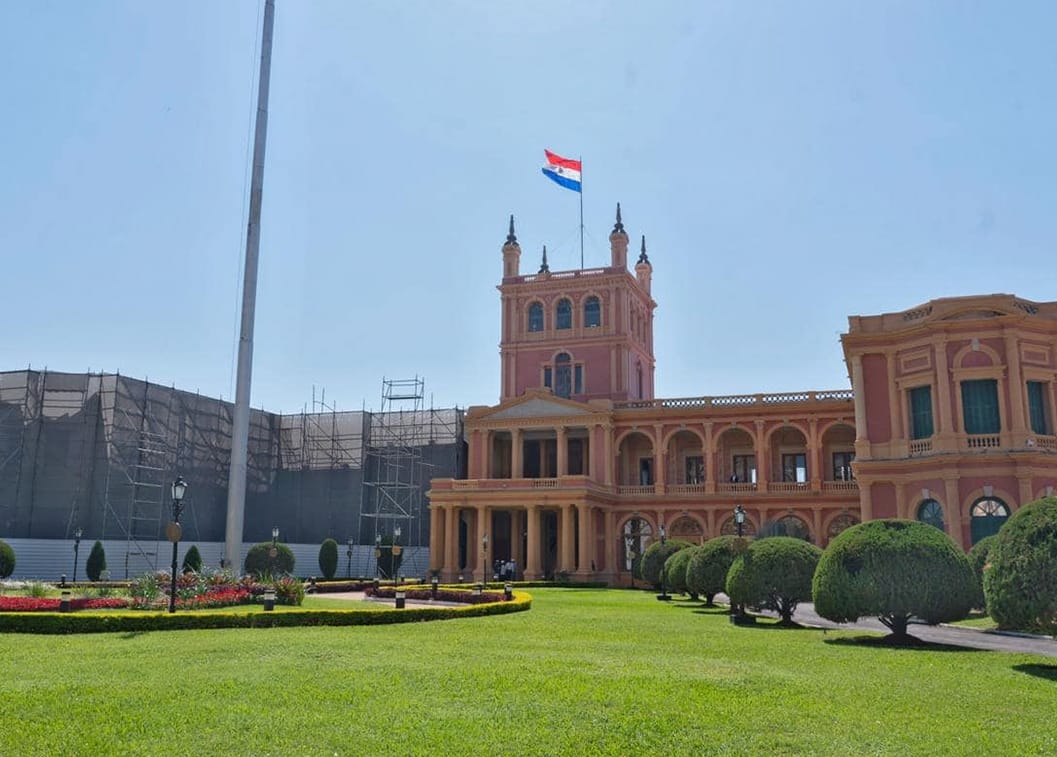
539,407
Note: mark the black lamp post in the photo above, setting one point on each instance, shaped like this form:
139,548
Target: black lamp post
663,596
275,537
348,553
739,519
394,550
629,554
484,560
173,531
76,549
377,557
737,612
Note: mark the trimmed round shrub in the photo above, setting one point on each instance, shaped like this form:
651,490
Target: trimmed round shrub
261,562
894,570
706,573
7,559
654,558
978,556
192,560
675,570
1019,583
328,558
96,562
774,574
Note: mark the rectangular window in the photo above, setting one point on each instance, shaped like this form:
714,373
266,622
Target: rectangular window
531,459
744,469
794,467
577,450
1037,407
842,466
695,469
578,380
547,377
920,412
980,406
645,471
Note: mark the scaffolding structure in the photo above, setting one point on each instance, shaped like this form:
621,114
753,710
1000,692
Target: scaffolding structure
97,451
398,466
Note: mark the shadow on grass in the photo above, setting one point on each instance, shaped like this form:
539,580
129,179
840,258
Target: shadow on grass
1049,672
777,624
133,634
910,643
706,610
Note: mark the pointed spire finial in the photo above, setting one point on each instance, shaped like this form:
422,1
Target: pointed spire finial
510,238
544,268
643,257
618,227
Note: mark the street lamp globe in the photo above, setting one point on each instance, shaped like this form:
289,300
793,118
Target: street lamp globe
179,488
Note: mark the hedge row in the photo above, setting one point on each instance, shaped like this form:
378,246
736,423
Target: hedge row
64,623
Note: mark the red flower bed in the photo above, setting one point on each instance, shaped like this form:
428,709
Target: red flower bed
49,604
223,597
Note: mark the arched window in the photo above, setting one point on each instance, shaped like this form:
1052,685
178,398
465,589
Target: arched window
563,375
986,516
592,313
535,317
840,523
564,315
787,525
930,511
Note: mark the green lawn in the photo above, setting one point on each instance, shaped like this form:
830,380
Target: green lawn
584,672
977,620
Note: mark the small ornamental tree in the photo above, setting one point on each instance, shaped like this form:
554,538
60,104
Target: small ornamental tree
675,571
328,558
192,560
260,560
1021,579
895,570
774,574
655,556
7,560
96,562
706,573
978,559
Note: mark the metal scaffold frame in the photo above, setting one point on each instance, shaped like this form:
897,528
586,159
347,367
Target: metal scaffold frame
395,472
97,451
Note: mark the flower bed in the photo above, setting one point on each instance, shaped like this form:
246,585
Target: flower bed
226,596
461,596
53,604
127,622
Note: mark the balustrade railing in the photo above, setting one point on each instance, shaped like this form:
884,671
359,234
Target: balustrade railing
840,486
983,441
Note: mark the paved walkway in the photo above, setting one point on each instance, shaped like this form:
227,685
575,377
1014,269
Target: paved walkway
957,636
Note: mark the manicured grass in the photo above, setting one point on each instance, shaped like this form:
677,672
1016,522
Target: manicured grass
584,672
977,620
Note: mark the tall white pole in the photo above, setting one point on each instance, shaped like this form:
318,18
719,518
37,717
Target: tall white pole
581,213
240,425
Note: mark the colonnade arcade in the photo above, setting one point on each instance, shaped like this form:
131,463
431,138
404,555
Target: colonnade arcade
593,541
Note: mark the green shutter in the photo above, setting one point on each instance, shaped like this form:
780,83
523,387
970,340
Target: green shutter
1037,407
921,412
980,406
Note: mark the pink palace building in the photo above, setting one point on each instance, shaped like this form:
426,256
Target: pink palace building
949,420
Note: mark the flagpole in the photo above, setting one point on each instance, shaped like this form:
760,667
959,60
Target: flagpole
581,213
240,419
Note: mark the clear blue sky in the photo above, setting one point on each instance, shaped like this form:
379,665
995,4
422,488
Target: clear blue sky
790,164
